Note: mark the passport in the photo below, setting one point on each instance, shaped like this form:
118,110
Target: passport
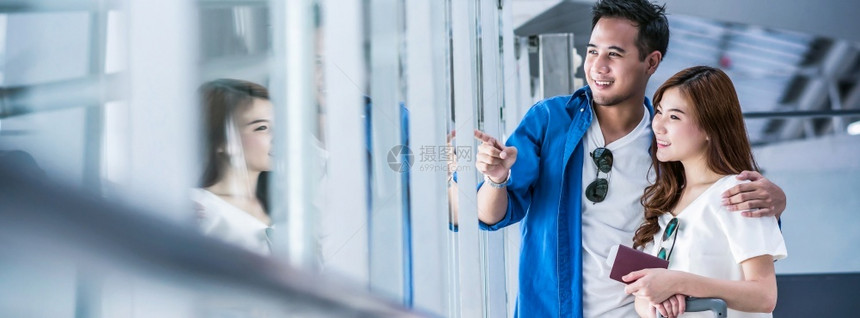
629,260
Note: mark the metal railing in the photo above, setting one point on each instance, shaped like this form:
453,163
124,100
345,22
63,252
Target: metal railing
50,222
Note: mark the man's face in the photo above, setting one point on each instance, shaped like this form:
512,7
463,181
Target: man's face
612,65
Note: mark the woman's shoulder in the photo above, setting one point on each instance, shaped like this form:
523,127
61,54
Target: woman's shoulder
203,197
208,206
730,180
197,193
714,194
727,182
204,203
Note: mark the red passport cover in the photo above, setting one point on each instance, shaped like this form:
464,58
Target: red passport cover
630,260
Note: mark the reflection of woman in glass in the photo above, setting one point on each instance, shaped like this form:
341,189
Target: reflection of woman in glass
232,201
700,146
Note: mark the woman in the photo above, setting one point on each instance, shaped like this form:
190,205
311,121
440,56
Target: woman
231,202
700,146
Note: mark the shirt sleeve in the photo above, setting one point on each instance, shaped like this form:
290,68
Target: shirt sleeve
748,237
527,138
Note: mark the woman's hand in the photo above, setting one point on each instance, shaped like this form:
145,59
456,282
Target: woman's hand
672,307
653,284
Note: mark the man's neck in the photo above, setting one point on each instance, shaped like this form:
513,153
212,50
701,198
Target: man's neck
617,121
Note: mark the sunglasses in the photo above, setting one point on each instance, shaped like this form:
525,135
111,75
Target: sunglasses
596,191
670,231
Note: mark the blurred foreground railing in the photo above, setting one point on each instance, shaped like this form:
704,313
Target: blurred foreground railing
66,253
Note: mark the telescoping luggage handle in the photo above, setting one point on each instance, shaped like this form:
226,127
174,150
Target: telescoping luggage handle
718,306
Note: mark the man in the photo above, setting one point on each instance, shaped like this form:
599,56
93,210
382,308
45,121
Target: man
597,140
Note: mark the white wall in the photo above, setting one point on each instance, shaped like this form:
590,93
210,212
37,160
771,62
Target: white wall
821,179
40,48
45,47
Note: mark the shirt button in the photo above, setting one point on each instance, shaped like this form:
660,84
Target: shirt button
581,109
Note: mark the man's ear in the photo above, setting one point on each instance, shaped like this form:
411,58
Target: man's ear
653,61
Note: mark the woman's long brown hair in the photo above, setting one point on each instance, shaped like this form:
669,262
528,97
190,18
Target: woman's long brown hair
718,113
220,99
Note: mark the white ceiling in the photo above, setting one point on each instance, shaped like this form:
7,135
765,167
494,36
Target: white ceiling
828,18
524,10
791,57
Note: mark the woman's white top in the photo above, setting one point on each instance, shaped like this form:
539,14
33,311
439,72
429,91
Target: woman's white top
713,241
224,221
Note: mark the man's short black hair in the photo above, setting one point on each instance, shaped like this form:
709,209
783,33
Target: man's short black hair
649,18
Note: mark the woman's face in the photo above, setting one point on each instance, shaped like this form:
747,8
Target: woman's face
679,137
255,128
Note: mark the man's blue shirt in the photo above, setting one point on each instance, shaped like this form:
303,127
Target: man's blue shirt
542,196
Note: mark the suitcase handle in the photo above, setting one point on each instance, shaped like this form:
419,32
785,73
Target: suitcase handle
718,306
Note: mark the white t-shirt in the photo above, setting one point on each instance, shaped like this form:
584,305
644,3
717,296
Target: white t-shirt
614,220
712,241
222,220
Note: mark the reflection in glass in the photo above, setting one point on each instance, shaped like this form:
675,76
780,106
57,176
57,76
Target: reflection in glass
234,31
232,202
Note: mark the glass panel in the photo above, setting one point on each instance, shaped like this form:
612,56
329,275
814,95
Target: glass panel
41,56
431,174
343,100
65,87
390,269
46,47
465,55
237,124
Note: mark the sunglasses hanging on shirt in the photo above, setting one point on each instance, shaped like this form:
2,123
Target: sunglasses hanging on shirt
597,190
670,231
